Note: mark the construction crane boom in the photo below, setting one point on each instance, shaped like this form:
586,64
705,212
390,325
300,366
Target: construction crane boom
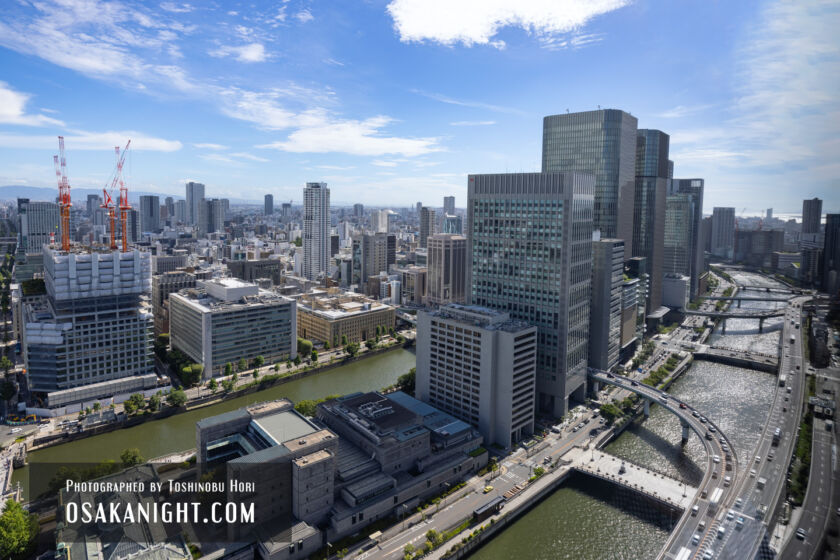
63,194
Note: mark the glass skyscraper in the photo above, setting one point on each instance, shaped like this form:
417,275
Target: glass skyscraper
693,189
530,255
652,168
602,143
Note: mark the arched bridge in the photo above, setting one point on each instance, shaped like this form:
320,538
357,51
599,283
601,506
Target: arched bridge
720,464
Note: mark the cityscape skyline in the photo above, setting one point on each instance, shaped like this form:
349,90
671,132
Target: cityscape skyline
372,129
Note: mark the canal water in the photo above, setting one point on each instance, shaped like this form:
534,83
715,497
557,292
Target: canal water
582,520
177,433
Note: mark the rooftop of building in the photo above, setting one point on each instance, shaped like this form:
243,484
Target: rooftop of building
484,317
229,294
284,426
335,303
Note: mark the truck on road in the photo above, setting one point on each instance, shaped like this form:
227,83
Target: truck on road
715,499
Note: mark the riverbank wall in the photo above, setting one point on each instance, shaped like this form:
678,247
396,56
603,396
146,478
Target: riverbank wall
201,402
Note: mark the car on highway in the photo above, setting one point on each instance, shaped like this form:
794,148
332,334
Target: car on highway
709,554
758,459
801,534
712,429
716,459
730,515
695,539
739,522
695,413
695,510
488,489
738,502
634,383
703,420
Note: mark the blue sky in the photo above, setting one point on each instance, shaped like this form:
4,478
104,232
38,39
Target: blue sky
393,102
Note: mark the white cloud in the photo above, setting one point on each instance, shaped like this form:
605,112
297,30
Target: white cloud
384,163
253,52
355,137
122,43
13,109
467,103
104,40
785,119
472,123
250,157
472,22
84,140
210,146
176,8
683,111
304,16
337,167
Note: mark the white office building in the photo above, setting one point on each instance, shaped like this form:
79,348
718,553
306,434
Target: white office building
479,365
224,320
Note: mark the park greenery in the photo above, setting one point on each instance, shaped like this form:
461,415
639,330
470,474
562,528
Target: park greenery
18,532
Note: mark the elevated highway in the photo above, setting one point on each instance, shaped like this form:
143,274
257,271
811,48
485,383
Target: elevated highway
760,487
722,462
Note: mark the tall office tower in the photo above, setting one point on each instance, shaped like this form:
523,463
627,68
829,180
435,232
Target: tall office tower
372,254
447,266
358,210
831,255
768,215
809,271
606,310
603,144
133,225
149,214
419,206
379,220
427,225
268,208
693,188
316,230
678,241
169,202
212,216
181,211
499,369
811,215
449,205
92,205
286,209
94,331
536,265
195,196
38,220
723,232
649,207
453,224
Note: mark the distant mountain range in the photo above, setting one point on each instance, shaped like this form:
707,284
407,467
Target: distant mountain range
13,192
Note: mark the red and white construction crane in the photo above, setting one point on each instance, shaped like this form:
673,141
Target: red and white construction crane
108,202
64,201
124,205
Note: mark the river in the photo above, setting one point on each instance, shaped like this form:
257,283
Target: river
177,433
586,521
